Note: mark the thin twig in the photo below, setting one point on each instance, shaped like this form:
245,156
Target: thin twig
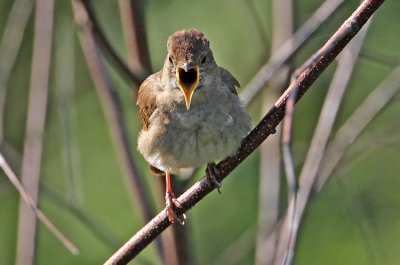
33,207
182,234
9,47
315,66
104,44
288,49
36,116
357,122
112,106
291,178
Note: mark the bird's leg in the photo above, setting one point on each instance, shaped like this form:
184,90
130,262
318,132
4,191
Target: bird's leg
211,171
171,202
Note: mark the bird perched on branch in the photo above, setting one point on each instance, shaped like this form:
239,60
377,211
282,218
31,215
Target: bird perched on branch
190,111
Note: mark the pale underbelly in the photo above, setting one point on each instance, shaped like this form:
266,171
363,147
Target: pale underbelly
174,149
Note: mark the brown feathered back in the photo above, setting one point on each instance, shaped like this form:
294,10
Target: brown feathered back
147,98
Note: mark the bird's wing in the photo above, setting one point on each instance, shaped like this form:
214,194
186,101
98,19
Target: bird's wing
146,98
228,78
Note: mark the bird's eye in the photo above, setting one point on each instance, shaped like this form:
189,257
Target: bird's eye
170,60
203,60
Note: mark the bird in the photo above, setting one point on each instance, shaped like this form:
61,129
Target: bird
191,113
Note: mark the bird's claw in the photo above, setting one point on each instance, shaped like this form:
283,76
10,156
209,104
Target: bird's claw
171,203
211,171
271,130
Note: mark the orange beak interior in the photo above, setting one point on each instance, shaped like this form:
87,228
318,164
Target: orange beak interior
187,81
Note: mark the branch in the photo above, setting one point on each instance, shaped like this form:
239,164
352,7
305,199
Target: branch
35,123
291,179
104,44
312,70
288,49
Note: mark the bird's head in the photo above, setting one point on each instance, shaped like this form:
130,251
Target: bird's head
189,57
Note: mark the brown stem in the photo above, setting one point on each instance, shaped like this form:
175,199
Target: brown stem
312,69
31,163
182,234
290,175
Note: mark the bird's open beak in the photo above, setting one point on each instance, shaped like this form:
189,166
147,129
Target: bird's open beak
188,79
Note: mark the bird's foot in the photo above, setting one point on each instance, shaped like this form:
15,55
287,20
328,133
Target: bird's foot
211,171
171,203
271,130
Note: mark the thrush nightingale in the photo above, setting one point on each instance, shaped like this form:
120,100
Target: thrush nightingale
190,111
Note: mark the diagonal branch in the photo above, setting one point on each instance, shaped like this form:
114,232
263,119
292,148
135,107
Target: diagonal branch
312,69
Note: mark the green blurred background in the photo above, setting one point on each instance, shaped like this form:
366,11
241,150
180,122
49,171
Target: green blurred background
354,220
